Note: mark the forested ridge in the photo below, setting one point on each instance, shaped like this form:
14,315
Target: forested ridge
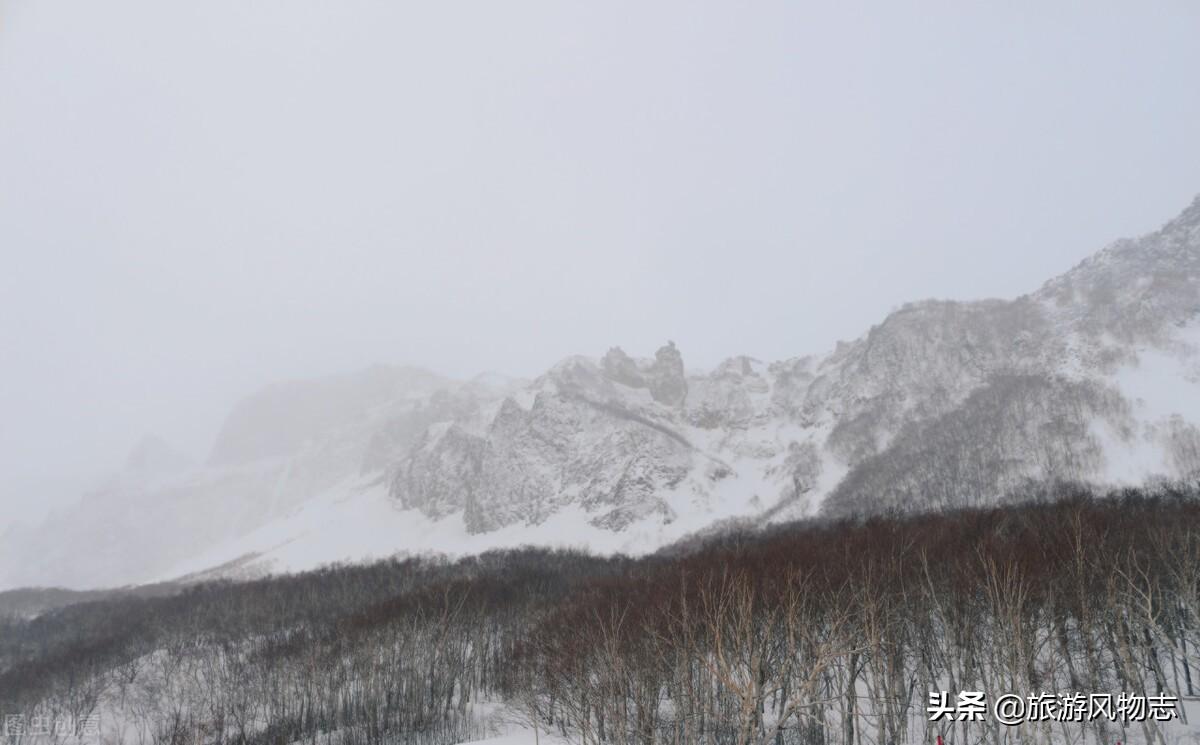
808,632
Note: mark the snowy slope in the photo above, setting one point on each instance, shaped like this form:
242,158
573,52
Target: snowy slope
1093,377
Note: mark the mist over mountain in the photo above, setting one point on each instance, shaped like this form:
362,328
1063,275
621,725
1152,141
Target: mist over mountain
1094,377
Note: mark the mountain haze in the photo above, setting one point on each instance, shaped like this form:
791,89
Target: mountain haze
1094,377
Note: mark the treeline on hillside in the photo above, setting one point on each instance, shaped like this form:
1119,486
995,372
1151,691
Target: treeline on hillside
29,602
831,632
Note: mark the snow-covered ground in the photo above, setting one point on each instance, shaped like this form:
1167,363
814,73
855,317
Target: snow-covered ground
521,737
358,519
625,454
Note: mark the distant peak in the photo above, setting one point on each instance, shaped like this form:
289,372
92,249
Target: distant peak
153,454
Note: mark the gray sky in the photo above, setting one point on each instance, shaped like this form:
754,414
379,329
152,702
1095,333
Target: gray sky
197,198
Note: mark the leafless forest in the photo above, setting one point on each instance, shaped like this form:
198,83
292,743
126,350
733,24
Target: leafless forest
830,632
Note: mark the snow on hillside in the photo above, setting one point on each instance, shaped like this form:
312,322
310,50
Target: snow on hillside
522,736
1094,377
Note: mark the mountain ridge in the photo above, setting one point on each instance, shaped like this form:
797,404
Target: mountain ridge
1094,376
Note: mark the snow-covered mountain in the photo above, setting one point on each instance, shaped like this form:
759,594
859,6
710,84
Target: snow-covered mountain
1095,376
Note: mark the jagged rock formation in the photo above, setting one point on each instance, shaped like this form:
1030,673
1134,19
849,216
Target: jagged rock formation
664,377
1093,377
580,440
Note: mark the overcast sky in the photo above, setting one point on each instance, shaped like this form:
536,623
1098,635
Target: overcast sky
197,198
